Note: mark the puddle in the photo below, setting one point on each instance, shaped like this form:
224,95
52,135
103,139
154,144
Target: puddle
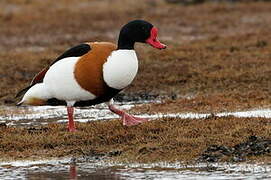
25,116
70,168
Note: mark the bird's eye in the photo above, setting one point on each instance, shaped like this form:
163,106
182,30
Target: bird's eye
144,29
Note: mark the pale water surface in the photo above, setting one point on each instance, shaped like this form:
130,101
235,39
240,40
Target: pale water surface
22,116
70,168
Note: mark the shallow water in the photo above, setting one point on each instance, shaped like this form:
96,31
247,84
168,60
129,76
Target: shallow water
31,115
88,168
26,116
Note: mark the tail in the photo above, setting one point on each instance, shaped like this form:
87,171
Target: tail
34,95
22,92
20,103
37,79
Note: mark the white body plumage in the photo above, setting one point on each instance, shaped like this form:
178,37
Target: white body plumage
61,83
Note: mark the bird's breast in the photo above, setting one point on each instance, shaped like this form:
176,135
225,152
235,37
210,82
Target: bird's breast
120,68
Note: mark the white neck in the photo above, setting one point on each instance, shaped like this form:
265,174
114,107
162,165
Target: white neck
120,68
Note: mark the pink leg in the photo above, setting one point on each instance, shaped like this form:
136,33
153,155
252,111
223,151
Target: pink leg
127,119
71,125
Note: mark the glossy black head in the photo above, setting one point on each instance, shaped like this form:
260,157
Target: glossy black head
138,31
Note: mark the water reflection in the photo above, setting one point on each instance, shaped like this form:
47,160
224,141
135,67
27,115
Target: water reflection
73,171
87,168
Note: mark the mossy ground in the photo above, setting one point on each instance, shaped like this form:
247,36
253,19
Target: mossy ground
218,59
167,139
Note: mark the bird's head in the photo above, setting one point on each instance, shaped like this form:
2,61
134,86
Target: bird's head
139,31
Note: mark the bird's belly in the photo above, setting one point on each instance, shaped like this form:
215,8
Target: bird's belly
61,83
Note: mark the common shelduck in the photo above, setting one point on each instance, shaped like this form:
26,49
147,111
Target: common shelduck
92,73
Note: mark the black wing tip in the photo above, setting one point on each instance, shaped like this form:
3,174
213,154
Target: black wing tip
21,92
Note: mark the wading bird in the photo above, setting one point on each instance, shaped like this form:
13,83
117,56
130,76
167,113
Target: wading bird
92,73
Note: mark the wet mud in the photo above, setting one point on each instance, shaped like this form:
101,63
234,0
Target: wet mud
254,146
137,97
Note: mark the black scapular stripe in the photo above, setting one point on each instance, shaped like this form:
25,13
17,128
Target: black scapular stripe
75,51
